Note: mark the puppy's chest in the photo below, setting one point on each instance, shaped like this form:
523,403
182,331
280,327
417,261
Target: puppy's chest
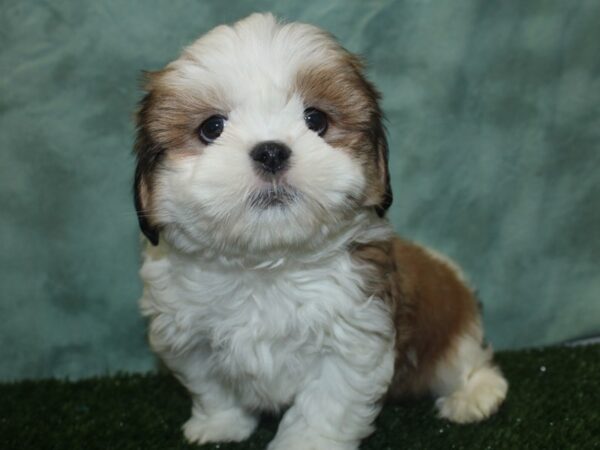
267,329
261,327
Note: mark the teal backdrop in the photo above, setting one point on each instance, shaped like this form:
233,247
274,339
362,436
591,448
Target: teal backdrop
493,114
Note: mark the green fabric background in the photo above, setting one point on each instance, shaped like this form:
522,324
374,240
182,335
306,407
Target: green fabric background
494,125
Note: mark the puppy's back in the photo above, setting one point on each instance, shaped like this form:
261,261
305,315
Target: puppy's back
431,303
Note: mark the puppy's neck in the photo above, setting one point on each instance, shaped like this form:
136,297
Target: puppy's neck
365,227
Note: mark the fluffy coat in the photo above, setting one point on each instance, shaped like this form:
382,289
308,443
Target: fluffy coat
309,305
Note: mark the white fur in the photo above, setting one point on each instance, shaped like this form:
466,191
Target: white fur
470,386
264,309
299,332
254,308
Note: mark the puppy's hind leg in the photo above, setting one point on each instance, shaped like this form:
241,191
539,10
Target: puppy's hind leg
469,386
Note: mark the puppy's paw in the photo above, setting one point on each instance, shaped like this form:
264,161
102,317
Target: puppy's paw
477,399
310,442
225,426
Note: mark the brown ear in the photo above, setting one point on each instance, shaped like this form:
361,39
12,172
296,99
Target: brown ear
381,194
140,198
382,152
148,156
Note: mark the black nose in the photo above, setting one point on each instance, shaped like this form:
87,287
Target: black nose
271,156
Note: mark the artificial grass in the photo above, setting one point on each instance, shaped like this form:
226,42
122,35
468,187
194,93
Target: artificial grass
553,403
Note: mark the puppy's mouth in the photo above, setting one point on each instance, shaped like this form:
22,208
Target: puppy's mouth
275,196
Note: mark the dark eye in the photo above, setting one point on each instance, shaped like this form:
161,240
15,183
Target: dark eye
315,120
211,129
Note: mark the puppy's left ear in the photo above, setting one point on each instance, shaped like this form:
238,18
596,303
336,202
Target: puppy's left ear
380,146
379,192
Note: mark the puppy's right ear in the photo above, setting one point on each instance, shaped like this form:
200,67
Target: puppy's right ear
148,156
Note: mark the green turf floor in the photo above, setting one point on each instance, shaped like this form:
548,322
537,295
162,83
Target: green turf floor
553,403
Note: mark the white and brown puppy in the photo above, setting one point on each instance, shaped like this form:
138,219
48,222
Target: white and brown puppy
274,281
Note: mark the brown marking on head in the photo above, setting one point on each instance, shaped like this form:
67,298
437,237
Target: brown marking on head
430,305
340,89
167,123
174,113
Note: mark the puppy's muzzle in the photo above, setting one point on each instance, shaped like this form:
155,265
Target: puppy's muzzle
271,156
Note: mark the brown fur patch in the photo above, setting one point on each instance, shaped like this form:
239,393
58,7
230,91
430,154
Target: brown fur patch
173,114
430,305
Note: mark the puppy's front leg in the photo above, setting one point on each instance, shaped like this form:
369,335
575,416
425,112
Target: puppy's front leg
337,407
217,415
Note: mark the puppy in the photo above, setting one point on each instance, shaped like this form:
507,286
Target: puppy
272,279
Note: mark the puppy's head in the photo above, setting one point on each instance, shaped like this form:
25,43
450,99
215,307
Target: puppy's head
260,136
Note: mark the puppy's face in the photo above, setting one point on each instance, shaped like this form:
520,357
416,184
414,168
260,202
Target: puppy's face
261,136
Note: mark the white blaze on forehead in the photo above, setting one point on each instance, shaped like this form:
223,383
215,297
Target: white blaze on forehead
260,119
255,61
